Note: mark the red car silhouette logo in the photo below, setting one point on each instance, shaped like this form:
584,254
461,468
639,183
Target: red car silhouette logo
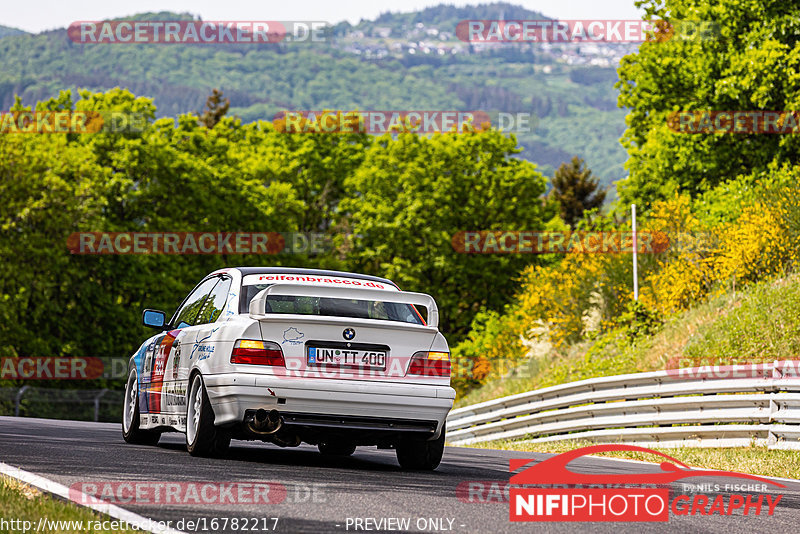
554,470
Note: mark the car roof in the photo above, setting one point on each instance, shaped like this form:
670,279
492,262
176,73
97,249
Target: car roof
311,272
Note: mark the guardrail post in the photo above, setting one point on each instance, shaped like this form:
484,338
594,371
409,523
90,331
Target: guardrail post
97,404
18,398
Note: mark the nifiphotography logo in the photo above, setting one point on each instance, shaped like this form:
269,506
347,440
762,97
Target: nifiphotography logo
549,491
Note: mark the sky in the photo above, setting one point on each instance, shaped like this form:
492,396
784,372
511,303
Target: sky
39,15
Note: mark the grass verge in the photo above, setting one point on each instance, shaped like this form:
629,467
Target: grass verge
20,503
760,324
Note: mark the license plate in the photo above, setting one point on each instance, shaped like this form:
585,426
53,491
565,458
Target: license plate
351,358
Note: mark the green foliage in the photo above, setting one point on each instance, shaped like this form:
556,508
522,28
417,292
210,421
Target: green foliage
741,237
763,325
576,191
448,16
262,80
593,75
216,108
405,197
23,503
750,64
639,321
412,194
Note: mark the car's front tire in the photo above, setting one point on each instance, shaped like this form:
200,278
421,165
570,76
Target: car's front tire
131,432
202,437
420,455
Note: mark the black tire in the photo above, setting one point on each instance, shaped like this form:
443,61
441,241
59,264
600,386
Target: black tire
421,455
131,432
203,438
336,449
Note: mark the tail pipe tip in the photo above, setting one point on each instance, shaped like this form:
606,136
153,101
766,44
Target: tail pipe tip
264,422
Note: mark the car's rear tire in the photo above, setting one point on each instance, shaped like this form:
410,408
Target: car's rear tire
203,438
421,455
131,432
336,448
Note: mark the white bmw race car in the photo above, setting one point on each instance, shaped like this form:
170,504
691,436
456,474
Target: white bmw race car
333,359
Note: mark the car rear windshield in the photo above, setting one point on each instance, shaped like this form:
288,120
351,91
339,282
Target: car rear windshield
334,307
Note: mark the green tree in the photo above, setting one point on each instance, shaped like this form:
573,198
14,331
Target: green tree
216,108
747,59
412,194
576,190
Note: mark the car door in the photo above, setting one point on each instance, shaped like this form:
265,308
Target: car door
197,341
158,400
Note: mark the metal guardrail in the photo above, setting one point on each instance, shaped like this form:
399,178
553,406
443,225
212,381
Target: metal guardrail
719,406
78,404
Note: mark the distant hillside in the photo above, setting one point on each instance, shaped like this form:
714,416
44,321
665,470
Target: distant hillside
419,65
5,31
448,16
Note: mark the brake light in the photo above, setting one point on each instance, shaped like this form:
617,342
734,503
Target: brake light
426,363
256,352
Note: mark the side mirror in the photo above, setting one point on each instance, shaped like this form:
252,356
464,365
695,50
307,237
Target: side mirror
154,319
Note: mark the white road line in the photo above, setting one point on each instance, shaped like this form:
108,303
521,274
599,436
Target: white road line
80,498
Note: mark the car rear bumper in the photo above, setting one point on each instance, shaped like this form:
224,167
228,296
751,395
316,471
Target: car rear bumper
316,402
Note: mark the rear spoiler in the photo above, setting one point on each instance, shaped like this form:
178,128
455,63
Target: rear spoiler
258,304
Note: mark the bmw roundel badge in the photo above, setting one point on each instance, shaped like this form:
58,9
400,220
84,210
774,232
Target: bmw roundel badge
348,334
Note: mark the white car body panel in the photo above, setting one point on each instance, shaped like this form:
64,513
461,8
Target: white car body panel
360,398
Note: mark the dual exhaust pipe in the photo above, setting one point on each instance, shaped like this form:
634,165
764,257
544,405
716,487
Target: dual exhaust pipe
265,422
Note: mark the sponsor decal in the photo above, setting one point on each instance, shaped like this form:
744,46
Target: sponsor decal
175,395
154,388
204,351
196,348
549,491
293,336
254,279
176,361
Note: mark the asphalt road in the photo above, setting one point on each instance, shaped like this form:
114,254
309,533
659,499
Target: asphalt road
328,495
